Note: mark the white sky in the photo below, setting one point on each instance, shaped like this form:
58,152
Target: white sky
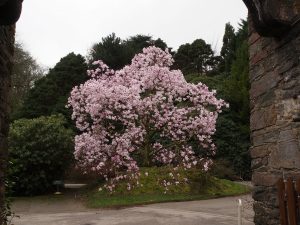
50,29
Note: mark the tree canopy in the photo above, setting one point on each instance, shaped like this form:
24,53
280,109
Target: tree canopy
117,53
50,93
197,57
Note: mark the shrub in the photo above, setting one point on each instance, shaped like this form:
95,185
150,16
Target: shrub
39,150
223,169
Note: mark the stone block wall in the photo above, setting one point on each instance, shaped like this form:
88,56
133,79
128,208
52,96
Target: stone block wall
275,116
7,34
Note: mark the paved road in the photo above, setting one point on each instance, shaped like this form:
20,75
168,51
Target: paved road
221,211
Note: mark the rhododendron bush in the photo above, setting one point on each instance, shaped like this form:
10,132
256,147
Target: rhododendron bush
147,111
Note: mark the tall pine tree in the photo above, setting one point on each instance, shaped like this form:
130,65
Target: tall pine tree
236,90
228,48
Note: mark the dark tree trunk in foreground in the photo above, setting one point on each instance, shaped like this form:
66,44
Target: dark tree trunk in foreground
6,53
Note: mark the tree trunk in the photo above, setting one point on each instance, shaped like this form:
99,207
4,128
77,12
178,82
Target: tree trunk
7,36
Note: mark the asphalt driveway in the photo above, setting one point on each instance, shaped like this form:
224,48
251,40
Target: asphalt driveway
222,211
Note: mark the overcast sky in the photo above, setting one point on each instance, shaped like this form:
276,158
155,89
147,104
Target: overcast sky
50,29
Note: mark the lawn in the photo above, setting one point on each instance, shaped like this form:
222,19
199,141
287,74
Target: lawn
200,186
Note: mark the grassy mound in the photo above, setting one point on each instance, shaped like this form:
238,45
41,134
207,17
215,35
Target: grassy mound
199,186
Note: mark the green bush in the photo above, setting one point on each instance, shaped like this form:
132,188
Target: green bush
39,150
223,169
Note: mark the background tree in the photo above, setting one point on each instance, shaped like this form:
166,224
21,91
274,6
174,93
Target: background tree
197,57
159,43
228,48
236,92
202,56
183,58
112,51
232,137
138,42
50,93
117,53
25,72
237,84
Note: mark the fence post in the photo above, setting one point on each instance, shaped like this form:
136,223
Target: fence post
291,202
281,199
298,197
240,211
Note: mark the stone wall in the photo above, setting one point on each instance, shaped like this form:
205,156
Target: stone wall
275,116
10,11
7,34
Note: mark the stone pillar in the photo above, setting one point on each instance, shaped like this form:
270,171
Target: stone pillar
7,34
275,115
10,11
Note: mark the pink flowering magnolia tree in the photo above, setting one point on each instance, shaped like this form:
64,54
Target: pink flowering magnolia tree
146,111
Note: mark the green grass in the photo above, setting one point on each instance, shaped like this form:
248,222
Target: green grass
199,187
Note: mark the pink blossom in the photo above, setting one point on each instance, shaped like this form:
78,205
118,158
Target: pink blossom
117,110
